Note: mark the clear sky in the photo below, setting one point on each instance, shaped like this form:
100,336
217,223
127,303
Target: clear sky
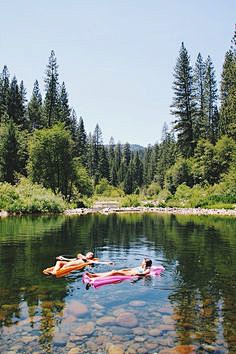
115,56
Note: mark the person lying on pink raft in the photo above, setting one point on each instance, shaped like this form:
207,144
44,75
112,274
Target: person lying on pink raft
143,269
116,276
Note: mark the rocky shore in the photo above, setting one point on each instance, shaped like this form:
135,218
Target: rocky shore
154,210
157,210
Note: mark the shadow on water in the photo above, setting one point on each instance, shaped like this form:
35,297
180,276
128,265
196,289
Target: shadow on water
191,304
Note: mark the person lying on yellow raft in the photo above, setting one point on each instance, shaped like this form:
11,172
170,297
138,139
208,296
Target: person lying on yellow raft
64,265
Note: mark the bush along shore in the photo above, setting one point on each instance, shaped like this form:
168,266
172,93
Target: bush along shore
28,198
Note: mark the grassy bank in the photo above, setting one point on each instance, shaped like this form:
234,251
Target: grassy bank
218,196
28,198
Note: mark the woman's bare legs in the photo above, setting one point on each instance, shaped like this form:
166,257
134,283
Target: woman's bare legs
112,272
58,265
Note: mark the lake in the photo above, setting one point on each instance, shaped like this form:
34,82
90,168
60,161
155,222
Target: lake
189,307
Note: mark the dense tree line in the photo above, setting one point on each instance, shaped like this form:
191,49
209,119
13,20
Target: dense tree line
43,139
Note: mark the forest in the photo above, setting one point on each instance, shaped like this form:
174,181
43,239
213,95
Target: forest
48,162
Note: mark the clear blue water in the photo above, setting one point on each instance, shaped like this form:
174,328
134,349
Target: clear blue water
190,307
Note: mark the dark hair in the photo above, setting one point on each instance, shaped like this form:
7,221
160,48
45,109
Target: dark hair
148,262
92,254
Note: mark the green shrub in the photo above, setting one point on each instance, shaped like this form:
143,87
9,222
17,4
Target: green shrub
163,198
131,200
153,189
104,189
26,197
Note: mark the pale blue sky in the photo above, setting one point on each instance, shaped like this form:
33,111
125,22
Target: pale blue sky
116,57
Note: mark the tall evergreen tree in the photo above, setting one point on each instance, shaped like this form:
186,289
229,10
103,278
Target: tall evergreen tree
126,154
113,177
64,109
184,106
16,108
111,149
215,126
51,102
210,97
81,142
117,155
111,159
103,164
117,164
9,152
167,155
89,153
137,171
148,166
73,126
23,103
228,92
200,121
125,161
128,182
97,146
4,92
35,113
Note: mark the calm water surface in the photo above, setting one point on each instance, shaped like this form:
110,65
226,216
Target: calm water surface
190,307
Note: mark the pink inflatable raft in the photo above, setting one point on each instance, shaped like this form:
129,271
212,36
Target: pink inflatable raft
113,279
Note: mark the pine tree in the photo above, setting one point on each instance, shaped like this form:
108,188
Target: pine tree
35,113
23,106
148,167
51,102
16,109
103,165
4,92
215,126
228,92
117,155
97,145
137,171
124,163
111,149
200,121
183,106
89,153
167,155
210,97
126,154
9,156
64,109
73,126
128,182
81,142
111,159
117,163
113,178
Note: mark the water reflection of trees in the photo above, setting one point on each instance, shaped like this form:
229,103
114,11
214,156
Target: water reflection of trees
199,250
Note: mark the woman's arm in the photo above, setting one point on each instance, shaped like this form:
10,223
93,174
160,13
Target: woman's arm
61,258
101,262
145,272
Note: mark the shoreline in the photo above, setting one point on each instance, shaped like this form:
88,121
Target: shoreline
153,210
135,210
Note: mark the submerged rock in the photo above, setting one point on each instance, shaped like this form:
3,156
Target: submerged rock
115,348
137,303
102,321
77,308
179,349
127,319
85,329
76,350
